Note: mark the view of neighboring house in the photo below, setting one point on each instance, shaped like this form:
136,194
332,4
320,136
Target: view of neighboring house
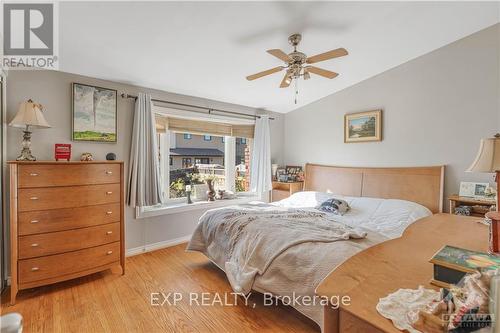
188,150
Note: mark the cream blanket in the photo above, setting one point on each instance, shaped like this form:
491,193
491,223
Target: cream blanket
256,235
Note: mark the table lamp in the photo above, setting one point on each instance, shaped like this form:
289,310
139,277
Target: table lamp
29,114
488,161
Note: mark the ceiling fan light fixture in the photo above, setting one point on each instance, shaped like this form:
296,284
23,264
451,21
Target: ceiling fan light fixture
307,76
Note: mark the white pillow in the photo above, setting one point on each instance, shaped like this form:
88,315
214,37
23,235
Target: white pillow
306,199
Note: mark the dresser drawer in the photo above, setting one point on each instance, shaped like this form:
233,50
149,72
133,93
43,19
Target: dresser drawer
41,221
66,197
55,266
47,175
65,241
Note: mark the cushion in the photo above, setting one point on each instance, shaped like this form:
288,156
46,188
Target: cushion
335,206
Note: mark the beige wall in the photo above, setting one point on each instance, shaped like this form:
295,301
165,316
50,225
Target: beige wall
436,109
53,90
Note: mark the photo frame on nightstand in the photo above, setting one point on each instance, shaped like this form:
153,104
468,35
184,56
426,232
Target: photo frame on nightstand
473,190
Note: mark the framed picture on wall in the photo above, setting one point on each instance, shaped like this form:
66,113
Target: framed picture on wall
363,126
94,113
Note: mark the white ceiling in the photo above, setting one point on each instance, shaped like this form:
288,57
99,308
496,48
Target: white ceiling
207,49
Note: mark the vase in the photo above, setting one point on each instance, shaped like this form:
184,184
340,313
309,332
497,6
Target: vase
211,191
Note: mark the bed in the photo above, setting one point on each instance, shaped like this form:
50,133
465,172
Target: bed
286,249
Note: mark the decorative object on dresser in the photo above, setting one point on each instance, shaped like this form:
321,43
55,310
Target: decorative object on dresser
29,114
282,190
473,190
452,263
66,221
110,156
94,113
363,126
62,151
86,157
293,173
470,206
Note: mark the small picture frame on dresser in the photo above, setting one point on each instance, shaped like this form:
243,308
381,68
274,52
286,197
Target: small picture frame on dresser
473,190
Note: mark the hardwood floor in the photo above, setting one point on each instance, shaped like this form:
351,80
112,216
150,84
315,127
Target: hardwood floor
106,302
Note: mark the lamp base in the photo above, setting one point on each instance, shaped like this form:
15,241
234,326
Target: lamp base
26,152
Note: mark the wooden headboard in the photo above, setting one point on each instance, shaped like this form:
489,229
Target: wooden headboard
423,185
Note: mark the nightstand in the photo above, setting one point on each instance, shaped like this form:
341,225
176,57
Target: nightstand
282,190
479,206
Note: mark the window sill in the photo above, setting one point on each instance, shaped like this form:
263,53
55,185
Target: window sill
182,206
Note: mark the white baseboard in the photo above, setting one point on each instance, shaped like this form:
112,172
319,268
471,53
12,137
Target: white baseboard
156,246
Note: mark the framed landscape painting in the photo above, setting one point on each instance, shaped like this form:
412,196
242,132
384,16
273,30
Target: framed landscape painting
363,126
94,113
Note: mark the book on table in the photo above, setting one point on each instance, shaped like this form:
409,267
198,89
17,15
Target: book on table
451,264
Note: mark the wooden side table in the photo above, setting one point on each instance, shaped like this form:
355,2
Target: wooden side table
479,206
282,190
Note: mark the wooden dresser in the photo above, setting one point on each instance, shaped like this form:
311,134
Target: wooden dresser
66,221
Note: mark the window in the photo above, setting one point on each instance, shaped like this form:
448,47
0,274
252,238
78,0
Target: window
226,161
187,136
186,162
243,141
207,137
202,160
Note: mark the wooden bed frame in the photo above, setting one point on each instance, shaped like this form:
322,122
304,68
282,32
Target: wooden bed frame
423,185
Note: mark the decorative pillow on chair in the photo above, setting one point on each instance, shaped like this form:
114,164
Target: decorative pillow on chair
335,206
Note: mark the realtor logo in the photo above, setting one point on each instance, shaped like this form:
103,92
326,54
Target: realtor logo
29,35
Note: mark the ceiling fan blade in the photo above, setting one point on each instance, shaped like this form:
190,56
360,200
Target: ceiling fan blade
264,73
327,55
322,72
279,54
286,80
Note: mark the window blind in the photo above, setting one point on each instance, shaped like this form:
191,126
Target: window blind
202,127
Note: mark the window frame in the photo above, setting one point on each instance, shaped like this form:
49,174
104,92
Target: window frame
207,137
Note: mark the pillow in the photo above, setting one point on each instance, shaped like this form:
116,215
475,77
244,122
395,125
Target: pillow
335,206
305,199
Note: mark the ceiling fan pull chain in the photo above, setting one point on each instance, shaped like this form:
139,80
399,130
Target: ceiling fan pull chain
296,90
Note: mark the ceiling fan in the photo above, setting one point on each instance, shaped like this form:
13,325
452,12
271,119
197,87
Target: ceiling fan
297,64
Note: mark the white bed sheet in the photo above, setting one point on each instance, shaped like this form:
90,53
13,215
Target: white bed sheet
389,217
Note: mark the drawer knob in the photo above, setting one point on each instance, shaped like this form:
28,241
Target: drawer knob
109,172
109,213
109,192
34,245
34,269
109,252
33,174
34,221
34,198
109,232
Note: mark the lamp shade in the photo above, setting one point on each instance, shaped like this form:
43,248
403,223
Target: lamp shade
29,114
488,156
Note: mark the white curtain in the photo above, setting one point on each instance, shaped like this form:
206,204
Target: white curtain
260,173
144,187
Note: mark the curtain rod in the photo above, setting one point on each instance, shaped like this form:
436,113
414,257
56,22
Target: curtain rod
210,110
